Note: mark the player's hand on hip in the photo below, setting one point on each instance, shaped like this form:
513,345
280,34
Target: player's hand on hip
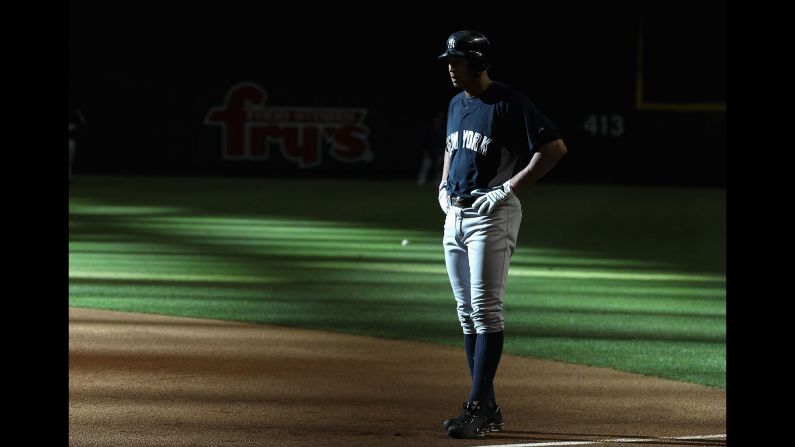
443,202
486,203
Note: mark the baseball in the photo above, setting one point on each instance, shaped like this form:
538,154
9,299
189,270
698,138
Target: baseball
405,242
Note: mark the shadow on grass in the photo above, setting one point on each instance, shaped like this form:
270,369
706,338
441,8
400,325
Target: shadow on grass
680,227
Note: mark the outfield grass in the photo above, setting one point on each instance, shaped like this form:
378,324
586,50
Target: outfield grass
631,278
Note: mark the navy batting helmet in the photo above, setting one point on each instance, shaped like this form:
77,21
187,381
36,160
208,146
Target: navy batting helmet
471,45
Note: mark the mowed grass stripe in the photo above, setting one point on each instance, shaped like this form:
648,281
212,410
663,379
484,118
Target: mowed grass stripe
627,278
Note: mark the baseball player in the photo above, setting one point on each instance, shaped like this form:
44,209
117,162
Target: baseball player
497,143
76,121
433,151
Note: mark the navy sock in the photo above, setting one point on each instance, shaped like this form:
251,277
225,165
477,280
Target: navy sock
469,348
490,401
492,362
494,353
488,350
478,367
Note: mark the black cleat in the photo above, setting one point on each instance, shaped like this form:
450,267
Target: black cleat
493,418
470,424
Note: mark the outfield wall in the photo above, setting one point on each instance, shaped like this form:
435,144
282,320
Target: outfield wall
640,95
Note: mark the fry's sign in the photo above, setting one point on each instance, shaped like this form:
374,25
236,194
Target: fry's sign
250,129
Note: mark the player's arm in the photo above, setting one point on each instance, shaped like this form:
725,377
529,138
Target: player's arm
544,159
446,166
443,202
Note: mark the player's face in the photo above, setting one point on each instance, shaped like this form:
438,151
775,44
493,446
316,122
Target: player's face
459,72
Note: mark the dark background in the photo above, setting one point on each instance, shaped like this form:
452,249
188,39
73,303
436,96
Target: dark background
145,75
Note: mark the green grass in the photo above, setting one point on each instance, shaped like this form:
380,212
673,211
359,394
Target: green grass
631,278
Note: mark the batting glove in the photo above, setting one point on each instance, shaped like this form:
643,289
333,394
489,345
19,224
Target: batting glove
443,196
485,204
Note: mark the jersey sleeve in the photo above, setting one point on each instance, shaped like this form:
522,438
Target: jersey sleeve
531,128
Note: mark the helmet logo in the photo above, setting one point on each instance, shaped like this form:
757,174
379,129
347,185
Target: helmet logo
451,43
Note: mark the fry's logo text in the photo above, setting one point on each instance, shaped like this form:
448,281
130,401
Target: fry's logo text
249,127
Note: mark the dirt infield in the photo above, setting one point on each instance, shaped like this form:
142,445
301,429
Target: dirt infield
150,380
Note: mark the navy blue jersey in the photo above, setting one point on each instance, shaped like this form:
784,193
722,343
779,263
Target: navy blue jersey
491,137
